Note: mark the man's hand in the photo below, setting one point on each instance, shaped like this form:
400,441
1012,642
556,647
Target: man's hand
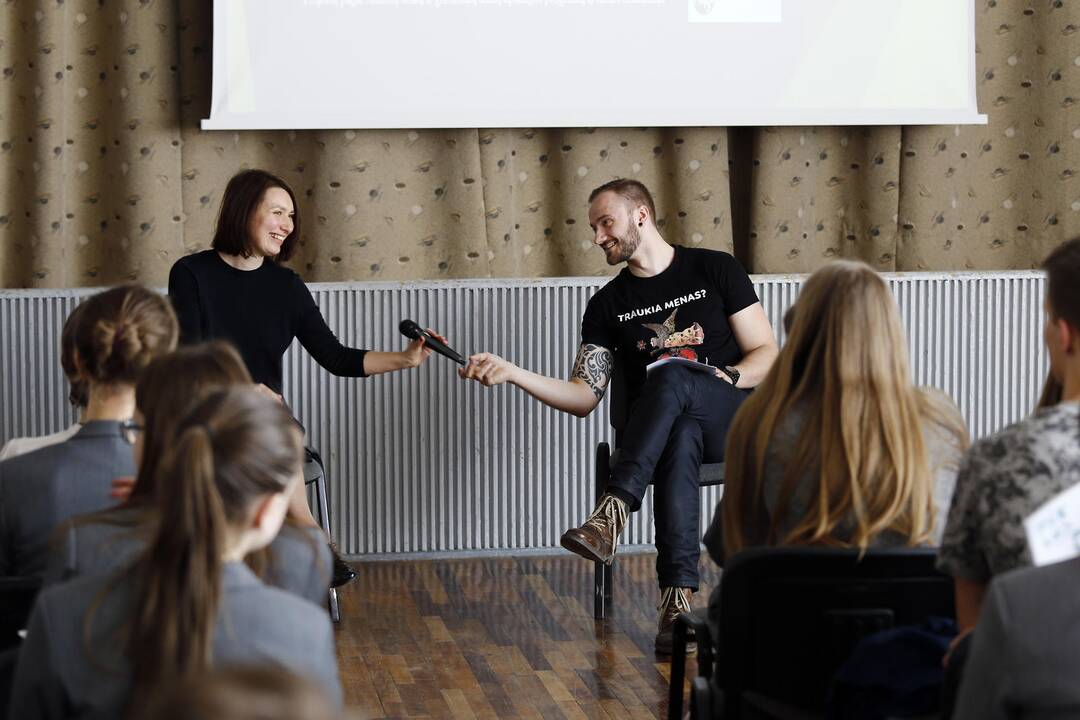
577,396
487,369
722,375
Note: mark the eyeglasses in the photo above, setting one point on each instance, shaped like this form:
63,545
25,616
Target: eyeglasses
130,430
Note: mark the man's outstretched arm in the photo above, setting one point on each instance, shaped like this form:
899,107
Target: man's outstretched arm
757,342
578,396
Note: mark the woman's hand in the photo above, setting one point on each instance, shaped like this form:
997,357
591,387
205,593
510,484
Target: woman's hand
377,362
418,350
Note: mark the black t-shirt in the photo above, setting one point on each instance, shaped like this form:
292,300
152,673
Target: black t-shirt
259,311
683,311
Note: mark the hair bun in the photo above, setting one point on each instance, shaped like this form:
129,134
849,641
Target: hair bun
121,330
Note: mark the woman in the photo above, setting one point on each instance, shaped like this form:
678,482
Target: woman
101,647
837,447
239,291
298,561
118,333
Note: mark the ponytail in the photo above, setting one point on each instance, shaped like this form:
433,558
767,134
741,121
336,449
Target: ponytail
180,574
232,449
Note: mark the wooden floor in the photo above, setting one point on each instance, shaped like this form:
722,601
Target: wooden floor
503,637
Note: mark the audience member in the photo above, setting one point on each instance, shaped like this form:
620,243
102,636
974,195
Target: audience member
102,646
837,447
118,333
77,395
1006,476
265,692
298,560
1025,656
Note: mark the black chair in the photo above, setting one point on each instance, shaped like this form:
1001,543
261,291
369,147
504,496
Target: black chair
697,623
711,474
791,616
8,660
315,477
17,595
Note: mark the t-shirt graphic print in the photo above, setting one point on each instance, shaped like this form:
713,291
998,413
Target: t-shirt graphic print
673,343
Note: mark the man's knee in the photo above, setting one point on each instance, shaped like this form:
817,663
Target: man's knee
686,438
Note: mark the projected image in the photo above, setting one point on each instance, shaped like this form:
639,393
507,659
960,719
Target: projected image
733,11
591,63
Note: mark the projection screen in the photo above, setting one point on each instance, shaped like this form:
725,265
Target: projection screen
310,64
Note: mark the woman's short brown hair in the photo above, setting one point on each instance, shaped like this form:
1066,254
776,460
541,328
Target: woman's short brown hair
242,197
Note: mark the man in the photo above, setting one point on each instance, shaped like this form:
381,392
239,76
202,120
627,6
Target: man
668,302
1006,476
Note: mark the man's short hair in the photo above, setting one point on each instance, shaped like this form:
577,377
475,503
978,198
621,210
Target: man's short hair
1062,268
633,191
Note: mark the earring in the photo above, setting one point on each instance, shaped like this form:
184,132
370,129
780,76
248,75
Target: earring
640,224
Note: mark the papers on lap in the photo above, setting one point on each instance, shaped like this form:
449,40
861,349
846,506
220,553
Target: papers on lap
1053,531
692,364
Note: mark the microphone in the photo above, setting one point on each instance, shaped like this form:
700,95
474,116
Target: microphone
411,330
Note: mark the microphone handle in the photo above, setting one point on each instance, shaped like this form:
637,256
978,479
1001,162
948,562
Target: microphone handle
440,347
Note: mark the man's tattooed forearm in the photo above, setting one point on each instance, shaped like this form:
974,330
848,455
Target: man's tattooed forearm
593,365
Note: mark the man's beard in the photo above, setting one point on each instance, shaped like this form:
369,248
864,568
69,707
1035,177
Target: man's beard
626,246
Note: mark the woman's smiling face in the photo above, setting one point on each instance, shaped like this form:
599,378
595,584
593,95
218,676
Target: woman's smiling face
271,223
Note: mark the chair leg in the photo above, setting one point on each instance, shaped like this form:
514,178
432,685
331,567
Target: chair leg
602,584
678,670
324,507
600,591
609,584
701,699
324,521
335,612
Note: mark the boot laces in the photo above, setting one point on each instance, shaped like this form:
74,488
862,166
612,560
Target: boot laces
673,602
609,518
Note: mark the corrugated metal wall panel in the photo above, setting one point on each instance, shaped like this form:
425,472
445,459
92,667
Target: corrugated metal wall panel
420,461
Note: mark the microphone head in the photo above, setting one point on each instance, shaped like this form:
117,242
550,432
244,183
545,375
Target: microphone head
410,329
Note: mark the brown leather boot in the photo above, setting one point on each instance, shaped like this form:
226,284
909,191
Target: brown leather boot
673,602
598,536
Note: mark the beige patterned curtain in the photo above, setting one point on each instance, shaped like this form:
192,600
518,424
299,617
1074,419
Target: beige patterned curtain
106,177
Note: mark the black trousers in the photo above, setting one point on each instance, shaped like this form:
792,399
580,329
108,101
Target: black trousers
680,420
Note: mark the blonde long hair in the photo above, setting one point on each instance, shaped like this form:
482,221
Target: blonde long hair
845,368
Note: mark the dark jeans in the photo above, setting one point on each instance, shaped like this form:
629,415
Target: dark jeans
680,420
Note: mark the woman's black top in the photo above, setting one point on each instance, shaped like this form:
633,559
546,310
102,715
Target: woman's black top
259,311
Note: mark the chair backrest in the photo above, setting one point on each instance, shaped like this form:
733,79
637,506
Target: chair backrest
17,595
791,616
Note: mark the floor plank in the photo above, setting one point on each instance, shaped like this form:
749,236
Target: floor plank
503,638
